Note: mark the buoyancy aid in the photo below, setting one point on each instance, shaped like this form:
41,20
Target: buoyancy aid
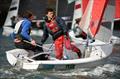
52,26
18,29
54,29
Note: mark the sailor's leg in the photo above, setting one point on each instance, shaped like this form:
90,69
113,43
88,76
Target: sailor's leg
28,46
72,47
77,50
24,45
59,47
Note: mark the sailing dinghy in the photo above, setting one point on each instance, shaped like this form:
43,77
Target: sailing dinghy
93,52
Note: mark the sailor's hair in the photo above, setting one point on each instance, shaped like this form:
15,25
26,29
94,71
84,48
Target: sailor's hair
27,14
49,10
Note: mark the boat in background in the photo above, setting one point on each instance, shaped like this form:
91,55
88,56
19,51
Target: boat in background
13,11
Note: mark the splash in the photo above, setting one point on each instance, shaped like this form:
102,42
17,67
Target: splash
109,68
98,71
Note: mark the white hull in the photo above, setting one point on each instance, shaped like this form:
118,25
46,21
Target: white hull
20,58
115,40
116,37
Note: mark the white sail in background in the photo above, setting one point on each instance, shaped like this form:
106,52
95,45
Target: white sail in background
13,11
77,11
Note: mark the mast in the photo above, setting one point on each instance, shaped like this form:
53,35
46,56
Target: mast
57,3
13,11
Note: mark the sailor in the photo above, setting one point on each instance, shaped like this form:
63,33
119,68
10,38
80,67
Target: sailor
57,28
78,31
21,34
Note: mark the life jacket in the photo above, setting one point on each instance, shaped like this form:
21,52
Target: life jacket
18,29
54,29
52,26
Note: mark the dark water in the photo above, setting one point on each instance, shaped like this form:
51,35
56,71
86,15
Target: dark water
110,70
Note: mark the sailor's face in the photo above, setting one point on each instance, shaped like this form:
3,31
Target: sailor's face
50,15
32,17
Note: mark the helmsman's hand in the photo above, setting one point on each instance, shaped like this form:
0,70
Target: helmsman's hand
33,42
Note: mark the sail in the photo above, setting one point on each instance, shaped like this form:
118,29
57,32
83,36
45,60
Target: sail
85,21
92,16
13,11
77,11
96,16
105,32
117,9
84,5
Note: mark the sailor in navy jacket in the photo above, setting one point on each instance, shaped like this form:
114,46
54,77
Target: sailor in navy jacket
57,28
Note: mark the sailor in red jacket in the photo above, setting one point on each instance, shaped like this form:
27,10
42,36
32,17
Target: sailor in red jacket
56,27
